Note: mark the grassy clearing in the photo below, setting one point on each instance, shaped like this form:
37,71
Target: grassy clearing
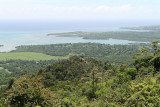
1,68
27,56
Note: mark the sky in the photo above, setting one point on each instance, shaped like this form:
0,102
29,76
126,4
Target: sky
79,9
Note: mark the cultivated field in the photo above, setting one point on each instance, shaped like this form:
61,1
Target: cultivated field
27,56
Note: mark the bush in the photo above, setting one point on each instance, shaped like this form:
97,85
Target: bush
132,72
29,91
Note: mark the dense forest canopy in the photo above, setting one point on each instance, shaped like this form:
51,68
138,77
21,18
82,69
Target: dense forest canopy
80,82
18,63
117,54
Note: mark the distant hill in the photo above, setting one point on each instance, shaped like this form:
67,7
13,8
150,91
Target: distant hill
143,28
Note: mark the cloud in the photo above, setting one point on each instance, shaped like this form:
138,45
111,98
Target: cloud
41,11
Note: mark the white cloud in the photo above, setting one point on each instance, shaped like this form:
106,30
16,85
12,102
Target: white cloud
40,11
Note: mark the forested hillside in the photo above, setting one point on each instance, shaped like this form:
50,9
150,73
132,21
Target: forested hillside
29,59
17,68
86,82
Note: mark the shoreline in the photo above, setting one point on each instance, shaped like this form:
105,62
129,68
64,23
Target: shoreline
10,48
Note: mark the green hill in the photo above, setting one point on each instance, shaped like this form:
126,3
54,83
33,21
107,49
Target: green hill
86,82
71,70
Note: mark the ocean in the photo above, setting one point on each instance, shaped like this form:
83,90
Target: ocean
16,33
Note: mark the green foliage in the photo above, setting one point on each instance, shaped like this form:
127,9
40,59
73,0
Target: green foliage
110,88
83,82
151,62
10,83
155,47
146,93
118,54
156,62
18,68
72,70
29,91
132,72
4,77
143,62
27,56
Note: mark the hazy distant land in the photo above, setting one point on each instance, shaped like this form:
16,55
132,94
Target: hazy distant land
129,35
143,28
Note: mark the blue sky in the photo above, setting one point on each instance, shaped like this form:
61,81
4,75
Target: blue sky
80,9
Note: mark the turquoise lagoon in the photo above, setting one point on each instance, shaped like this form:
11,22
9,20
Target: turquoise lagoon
10,39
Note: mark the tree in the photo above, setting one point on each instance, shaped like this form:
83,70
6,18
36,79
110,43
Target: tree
10,83
144,51
155,46
29,91
136,55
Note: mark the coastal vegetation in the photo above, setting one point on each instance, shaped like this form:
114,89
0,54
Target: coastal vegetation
118,54
141,36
